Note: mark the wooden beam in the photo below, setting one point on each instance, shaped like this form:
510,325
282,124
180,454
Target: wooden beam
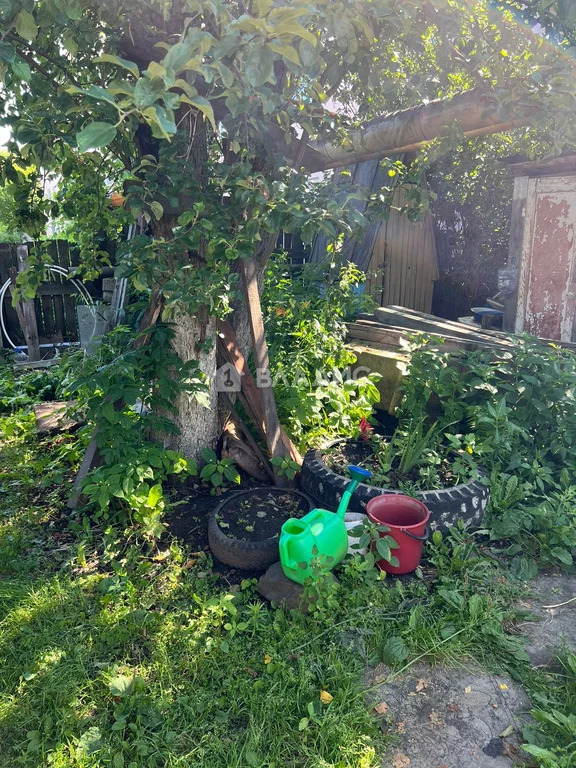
515,245
475,112
27,313
250,395
260,352
393,336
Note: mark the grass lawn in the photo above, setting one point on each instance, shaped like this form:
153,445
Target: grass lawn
159,663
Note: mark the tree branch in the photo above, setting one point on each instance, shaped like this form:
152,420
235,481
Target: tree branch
407,129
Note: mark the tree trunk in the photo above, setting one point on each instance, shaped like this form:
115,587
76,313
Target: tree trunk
199,426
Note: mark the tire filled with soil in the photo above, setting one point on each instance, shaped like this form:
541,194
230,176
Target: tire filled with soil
465,501
244,529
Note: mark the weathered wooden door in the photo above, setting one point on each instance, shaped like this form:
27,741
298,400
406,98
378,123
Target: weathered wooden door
547,278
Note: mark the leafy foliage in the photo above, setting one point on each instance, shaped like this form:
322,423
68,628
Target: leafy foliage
204,113
552,738
514,412
304,315
24,388
128,396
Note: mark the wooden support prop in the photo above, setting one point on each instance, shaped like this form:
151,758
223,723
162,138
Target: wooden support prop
260,350
26,311
250,395
248,435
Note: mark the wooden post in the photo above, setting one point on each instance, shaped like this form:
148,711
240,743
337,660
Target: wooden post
28,313
260,349
508,279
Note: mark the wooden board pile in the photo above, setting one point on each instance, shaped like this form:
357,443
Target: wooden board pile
391,327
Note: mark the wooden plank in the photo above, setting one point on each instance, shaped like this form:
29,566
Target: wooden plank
8,262
517,226
424,316
48,313
260,352
56,289
404,319
39,318
52,417
251,395
70,318
57,298
28,312
394,336
248,435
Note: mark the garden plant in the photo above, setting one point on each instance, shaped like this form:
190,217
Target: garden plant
186,133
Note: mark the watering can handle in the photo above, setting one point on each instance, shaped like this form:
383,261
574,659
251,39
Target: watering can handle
425,537
358,475
284,555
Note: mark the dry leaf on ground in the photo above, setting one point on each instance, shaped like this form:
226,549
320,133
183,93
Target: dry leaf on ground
381,708
422,684
400,761
435,720
468,689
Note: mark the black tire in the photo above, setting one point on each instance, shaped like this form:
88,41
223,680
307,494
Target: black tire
246,555
465,502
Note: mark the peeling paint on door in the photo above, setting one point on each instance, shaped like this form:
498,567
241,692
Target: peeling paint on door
547,291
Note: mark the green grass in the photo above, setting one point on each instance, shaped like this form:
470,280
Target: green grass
154,663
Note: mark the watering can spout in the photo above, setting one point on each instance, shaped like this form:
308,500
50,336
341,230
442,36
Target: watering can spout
358,475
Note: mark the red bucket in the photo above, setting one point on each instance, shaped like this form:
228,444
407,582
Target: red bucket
407,519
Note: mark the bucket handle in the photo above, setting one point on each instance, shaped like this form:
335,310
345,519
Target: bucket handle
425,537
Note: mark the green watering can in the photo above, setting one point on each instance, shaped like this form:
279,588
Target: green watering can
320,536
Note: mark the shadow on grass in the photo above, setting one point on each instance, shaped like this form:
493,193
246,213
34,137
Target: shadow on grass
85,683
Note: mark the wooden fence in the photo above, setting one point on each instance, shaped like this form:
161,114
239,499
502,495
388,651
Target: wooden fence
55,303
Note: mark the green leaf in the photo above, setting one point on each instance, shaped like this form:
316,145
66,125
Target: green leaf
562,554
209,455
69,42
155,494
287,51
121,685
394,651
296,29
201,104
303,724
259,65
523,568
95,92
147,92
156,71
21,69
216,479
111,59
26,25
543,754
95,136
161,121
157,210
475,606
226,74
231,474
7,52
91,741
177,56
